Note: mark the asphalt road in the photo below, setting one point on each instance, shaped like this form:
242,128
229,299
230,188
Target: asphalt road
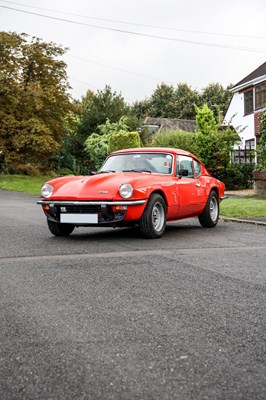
105,314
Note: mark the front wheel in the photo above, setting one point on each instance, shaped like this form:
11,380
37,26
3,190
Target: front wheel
153,221
58,229
210,215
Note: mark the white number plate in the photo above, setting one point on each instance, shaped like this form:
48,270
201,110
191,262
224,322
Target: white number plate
79,218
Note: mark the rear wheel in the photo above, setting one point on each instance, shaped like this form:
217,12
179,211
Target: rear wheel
60,229
153,220
210,215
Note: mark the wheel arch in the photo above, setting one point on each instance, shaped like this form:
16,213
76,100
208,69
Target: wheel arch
160,192
215,189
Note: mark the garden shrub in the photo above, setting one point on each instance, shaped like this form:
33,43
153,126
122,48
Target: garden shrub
123,140
97,147
25,169
261,148
237,176
176,139
65,171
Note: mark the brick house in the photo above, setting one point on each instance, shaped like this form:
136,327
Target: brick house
248,102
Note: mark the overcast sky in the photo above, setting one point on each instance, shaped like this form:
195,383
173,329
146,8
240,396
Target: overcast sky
135,45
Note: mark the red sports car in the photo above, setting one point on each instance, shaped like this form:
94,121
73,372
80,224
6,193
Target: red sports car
144,187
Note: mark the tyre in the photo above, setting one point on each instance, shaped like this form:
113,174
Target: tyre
210,215
153,221
60,229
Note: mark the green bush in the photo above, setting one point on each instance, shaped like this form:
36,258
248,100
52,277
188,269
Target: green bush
237,176
123,140
97,147
65,171
25,169
176,139
261,148
213,151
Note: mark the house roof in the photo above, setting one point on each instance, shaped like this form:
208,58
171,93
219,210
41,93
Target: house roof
172,123
257,73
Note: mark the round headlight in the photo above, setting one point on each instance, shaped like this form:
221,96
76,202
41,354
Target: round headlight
126,190
47,190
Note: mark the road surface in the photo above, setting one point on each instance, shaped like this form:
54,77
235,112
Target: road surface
105,314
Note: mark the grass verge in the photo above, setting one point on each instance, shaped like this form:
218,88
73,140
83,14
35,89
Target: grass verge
243,208
23,183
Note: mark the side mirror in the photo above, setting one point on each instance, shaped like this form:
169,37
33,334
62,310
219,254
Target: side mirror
182,172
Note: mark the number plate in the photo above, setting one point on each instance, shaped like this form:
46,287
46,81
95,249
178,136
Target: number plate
79,218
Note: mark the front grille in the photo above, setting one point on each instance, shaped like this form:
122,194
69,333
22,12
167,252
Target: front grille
86,209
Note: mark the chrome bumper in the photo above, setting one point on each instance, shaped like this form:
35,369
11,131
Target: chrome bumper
224,197
94,203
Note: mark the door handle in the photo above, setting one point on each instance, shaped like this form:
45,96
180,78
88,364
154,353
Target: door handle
197,184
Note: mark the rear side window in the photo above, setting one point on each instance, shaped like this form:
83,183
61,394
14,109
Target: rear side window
197,168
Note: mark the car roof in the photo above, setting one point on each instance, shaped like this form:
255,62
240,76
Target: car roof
155,150
171,150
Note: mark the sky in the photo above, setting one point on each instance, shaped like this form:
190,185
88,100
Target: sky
134,46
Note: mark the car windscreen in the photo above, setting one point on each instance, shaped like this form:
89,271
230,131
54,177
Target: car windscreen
160,163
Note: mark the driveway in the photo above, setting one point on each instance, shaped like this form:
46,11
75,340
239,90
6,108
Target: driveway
104,314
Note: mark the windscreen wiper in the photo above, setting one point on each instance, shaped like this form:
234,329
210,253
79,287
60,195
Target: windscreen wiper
101,172
137,170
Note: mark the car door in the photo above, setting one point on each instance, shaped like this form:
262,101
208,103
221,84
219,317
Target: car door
190,192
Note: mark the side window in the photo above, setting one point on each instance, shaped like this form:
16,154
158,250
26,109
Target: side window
185,163
197,168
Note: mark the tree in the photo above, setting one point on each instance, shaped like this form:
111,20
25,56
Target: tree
96,109
169,102
205,120
97,146
34,99
162,102
186,98
213,143
100,106
178,102
140,109
261,148
218,98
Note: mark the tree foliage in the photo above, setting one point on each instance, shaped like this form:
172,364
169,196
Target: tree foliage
34,99
218,98
169,101
99,107
212,144
176,139
123,140
112,136
205,120
261,148
96,109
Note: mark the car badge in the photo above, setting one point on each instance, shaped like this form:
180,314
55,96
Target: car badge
103,191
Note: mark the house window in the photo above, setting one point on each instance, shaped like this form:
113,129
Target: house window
248,102
250,144
260,95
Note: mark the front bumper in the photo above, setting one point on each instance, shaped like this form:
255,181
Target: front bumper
90,213
81,203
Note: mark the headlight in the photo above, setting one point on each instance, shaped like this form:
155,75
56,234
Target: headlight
126,190
47,190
